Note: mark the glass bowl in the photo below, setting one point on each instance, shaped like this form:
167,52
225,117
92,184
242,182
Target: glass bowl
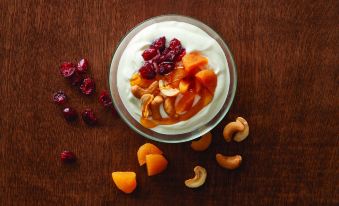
148,133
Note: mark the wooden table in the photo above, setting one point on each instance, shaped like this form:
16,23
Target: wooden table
287,58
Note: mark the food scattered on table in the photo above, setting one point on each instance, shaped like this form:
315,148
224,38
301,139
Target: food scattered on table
199,179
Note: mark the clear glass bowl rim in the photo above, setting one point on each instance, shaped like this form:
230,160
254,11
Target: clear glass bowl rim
135,125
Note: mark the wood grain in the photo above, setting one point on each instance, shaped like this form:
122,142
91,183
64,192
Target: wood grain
287,58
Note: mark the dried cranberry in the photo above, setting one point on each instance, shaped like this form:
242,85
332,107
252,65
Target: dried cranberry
165,67
70,114
159,43
82,66
148,54
76,79
59,97
174,43
147,71
88,86
170,56
67,157
181,55
105,99
89,117
67,69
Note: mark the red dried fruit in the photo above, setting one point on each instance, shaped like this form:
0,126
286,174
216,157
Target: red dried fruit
88,86
67,69
76,79
148,54
180,55
165,67
159,43
147,71
82,66
70,114
174,44
59,97
105,99
67,156
89,117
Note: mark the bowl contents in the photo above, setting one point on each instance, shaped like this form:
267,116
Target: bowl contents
170,73
125,181
203,143
199,179
178,75
239,129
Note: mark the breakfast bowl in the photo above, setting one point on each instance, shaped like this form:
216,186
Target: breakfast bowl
194,37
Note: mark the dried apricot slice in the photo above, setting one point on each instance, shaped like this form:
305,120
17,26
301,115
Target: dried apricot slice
184,85
185,103
203,143
146,149
208,79
125,181
156,164
193,61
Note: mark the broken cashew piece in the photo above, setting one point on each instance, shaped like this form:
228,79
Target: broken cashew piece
138,92
167,90
199,178
146,100
155,107
229,162
169,106
231,128
240,136
203,143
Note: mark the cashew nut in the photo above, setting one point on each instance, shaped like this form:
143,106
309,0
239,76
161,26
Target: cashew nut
169,106
229,162
146,100
167,90
155,107
199,178
138,92
231,128
240,136
203,143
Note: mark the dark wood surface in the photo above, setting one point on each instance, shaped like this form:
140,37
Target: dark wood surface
287,58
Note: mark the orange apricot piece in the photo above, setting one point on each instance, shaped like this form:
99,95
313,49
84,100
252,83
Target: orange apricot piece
125,181
208,79
197,86
175,76
193,61
136,79
185,103
184,85
203,143
146,149
156,164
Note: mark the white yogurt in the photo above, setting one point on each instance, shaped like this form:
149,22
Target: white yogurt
193,39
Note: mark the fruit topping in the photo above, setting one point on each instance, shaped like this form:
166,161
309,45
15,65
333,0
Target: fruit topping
88,86
193,61
59,97
105,99
208,79
159,44
70,114
165,68
148,54
67,157
147,71
89,117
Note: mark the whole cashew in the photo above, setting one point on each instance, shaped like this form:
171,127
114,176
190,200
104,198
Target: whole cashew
169,106
231,128
138,92
203,143
240,136
199,178
155,107
146,100
229,162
